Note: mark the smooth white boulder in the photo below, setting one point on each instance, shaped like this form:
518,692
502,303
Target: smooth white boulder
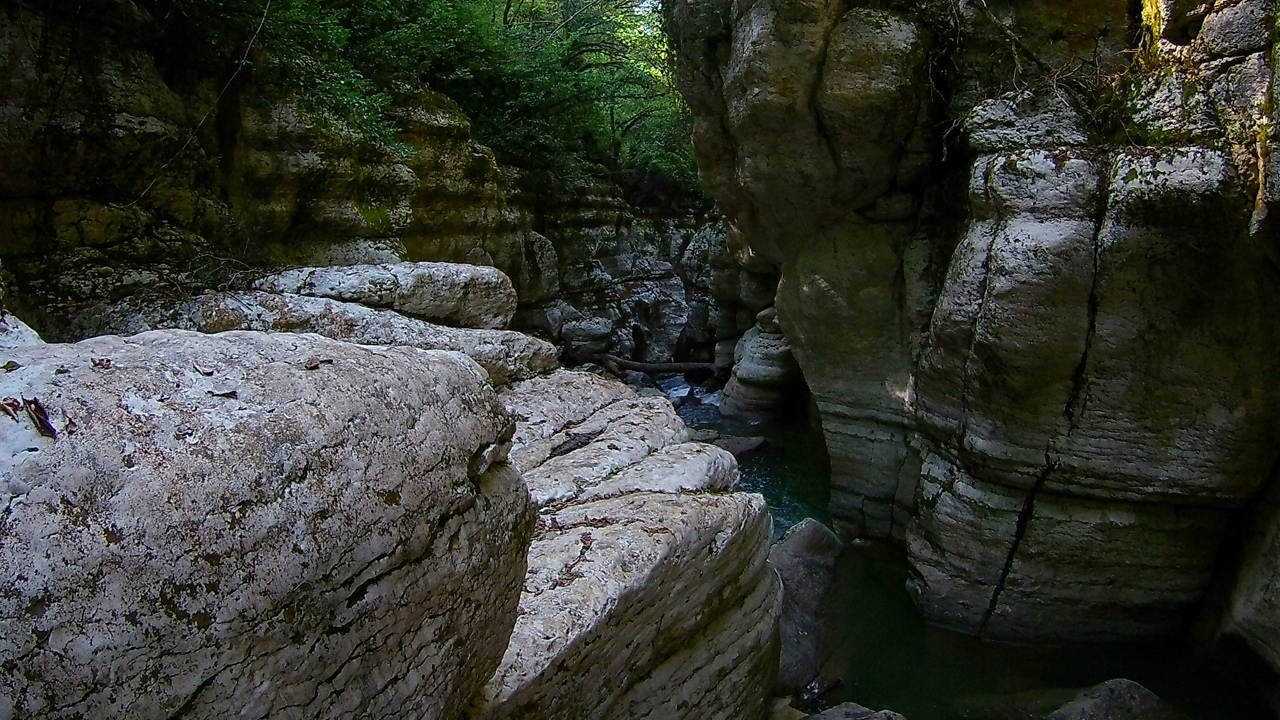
467,296
250,525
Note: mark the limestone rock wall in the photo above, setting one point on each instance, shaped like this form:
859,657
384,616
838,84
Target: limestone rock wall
1041,343
129,170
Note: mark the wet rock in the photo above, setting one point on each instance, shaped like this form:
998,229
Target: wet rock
507,356
1117,700
741,447
179,529
805,559
464,296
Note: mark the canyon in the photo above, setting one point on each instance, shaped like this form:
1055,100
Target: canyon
1020,259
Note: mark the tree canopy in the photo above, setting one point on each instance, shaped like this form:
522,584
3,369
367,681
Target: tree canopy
551,85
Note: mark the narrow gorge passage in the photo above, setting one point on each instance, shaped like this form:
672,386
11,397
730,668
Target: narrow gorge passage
885,656
638,359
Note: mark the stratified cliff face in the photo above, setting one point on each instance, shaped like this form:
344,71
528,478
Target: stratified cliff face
128,170
1029,277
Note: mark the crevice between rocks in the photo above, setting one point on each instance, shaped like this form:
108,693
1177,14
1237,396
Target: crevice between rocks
963,430
815,108
1020,534
1078,397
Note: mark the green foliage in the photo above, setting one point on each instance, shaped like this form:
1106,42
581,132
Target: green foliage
554,86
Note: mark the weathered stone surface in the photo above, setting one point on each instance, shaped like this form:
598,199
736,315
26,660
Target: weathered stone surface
1012,321
805,559
15,333
1203,426
619,614
766,378
543,407
1238,28
205,526
505,355
860,372
1056,391
1024,120
592,453
357,252
465,296
647,596
1170,109
1117,700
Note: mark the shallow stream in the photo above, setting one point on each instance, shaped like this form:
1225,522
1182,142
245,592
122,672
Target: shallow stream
887,657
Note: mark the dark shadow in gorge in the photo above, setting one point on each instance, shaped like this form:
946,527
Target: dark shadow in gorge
887,657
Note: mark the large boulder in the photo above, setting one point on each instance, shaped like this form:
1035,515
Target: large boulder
15,333
1117,700
643,606
805,559
648,592
506,356
466,296
216,526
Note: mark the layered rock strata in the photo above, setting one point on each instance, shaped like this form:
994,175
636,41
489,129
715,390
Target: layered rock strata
1044,364
468,296
178,529
645,569
505,355
766,379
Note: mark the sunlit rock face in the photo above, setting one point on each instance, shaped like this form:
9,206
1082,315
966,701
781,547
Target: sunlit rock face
1040,343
